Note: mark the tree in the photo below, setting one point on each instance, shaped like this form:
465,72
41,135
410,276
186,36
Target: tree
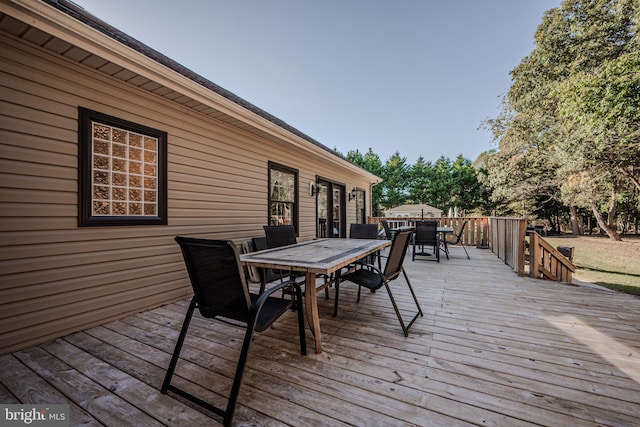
372,163
440,188
523,169
444,184
467,191
571,116
421,175
601,110
487,205
396,181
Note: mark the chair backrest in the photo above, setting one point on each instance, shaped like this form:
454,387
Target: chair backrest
363,231
426,232
387,230
216,277
280,235
393,268
260,244
458,236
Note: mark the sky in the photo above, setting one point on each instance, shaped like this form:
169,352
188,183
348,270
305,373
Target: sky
417,77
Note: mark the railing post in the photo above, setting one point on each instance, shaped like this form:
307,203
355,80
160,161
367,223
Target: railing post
482,237
522,230
534,270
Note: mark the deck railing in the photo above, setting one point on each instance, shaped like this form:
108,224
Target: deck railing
507,241
476,233
547,262
506,237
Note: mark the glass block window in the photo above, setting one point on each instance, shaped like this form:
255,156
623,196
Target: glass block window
125,173
122,172
283,195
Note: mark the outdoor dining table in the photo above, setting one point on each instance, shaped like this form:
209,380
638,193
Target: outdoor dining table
324,257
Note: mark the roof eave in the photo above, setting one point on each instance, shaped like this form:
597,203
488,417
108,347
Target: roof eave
62,18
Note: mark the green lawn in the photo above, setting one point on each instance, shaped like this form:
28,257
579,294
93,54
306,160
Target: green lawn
600,260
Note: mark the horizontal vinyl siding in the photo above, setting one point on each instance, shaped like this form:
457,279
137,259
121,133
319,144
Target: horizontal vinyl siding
56,278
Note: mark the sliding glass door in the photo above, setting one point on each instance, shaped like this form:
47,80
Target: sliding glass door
331,213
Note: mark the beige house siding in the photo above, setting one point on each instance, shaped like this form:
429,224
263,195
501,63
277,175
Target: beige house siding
56,278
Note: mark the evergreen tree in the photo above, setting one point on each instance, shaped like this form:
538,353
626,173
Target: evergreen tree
372,163
421,175
396,181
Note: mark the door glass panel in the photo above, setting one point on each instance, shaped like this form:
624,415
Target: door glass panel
361,216
330,210
322,215
337,209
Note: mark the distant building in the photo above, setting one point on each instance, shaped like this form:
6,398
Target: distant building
413,211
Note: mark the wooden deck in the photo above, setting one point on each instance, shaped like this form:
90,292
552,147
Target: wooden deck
492,349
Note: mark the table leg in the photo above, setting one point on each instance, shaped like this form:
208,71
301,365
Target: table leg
263,280
311,306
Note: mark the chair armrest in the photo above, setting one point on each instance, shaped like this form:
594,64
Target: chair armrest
372,267
256,307
267,293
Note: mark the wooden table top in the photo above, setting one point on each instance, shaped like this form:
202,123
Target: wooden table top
316,256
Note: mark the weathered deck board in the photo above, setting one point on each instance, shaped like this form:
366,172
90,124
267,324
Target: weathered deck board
104,405
25,386
492,349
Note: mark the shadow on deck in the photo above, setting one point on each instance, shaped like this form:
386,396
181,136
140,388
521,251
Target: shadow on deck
492,349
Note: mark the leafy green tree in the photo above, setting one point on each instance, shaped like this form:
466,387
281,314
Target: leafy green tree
571,115
599,111
487,204
523,167
467,191
601,115
550,208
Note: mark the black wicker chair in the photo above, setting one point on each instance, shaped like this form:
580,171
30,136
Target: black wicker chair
373,278
426,234
221,292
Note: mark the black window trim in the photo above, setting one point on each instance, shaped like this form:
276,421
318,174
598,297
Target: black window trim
85,168
296,208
